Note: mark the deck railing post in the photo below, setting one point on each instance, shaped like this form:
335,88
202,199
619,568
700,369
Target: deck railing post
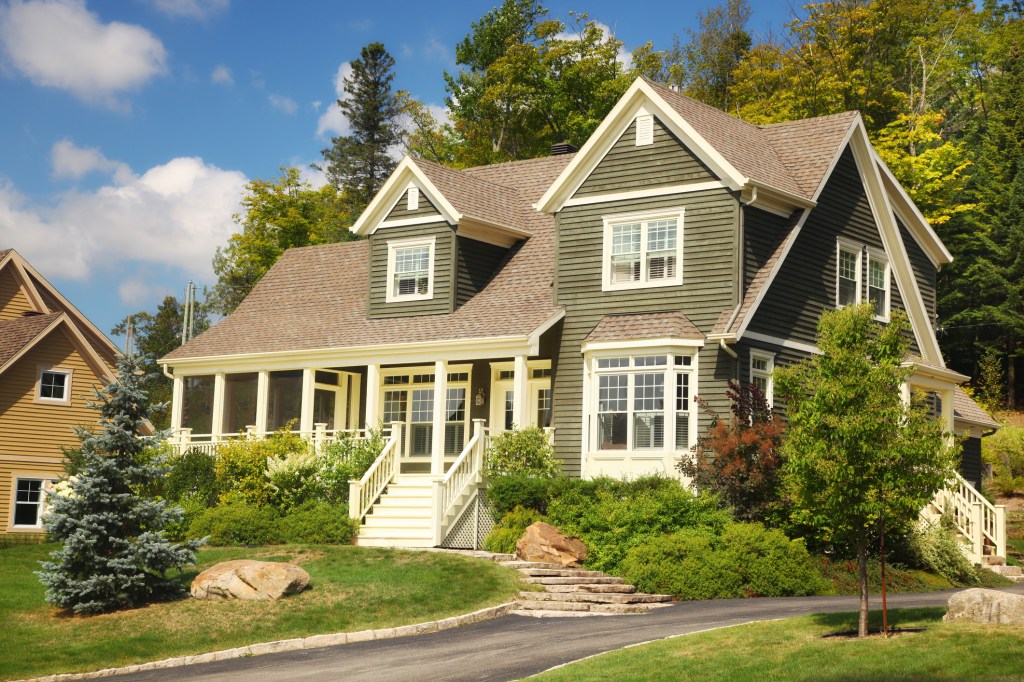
319,436
481,446
353,500
250,431
438,506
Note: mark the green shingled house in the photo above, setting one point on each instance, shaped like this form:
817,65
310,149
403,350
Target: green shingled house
592,293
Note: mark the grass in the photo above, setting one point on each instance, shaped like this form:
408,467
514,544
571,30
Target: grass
795,650
351,588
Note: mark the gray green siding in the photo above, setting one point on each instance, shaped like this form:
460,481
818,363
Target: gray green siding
710,233
626,167
761,233
970,462
806,284
924,271
444,272
477,263
399,211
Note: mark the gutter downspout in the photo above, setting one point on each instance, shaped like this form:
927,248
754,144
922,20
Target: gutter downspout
722,344
166,373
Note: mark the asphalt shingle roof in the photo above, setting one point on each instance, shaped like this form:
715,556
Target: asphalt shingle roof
15,334
644,326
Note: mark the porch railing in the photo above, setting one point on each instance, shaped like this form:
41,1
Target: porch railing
979,521
363,493
183,440
454,489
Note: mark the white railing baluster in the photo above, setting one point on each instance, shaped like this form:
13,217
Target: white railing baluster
975,518
450,488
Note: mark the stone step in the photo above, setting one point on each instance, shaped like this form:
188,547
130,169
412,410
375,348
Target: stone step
592,589
597,598
513,563
1008,571
560,573
607,580
568,606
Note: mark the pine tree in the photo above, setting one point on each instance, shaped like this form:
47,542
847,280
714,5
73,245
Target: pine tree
114,554
357,164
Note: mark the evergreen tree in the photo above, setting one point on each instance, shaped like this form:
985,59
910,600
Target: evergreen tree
357,164
114,554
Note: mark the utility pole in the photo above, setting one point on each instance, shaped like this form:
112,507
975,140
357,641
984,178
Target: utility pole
129,336
188,313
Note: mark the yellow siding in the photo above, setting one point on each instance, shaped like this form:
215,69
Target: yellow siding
13,301
31,434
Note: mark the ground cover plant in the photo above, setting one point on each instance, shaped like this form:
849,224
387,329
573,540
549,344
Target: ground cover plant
351,588
795,649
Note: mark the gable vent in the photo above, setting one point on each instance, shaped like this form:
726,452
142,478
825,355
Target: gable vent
413,199
560,148
644,129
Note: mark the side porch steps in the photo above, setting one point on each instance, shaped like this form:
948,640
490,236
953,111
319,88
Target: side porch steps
402,516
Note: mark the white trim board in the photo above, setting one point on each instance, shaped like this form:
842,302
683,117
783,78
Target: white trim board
668,190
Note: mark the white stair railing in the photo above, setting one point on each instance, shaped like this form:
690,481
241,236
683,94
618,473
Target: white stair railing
464,474
364,492
979,521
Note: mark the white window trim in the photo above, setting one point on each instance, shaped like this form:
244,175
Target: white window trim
768,375
389,293
48,480
496,407
879,255
606,254
846,245
68,372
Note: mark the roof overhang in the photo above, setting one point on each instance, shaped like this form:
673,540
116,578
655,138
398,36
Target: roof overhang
78,341
941,376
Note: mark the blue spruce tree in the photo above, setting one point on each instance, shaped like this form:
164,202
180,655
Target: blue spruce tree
114,554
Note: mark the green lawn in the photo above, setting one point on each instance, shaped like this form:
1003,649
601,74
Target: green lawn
794,649
351,588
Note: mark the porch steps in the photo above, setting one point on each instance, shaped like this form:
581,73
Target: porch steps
402,517
1013,573
572,592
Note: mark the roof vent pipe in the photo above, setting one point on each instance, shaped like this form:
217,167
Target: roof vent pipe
560,148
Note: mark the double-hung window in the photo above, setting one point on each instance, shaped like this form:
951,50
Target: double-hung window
847,274
762,365
639,398
410,270
878,283
28,502
643,251
54,386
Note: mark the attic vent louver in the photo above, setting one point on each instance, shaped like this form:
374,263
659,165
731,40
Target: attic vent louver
413,202
560,148
644,130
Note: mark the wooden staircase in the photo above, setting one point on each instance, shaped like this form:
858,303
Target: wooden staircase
403,517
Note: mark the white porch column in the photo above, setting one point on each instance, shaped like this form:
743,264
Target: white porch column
352,396
177,396
947,410
520,393
306,411
217,419
372,396
440,409
262,398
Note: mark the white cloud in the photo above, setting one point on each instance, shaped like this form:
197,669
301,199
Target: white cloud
71,161
174,214
191,9
137,293
332,120
435,49
60,44
315,177
282,103
624,56
221,75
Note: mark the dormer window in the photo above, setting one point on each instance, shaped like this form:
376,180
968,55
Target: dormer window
643,251
410,270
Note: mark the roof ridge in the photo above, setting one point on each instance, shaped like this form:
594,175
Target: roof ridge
838,115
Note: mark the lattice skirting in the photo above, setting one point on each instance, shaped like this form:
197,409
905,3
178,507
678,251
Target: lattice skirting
473,526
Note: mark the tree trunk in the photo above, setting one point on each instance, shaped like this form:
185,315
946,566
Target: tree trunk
862,565
1011,374
885,613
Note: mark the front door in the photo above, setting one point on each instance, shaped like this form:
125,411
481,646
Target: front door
408,398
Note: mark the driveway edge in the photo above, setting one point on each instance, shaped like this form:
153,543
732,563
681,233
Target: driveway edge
311,642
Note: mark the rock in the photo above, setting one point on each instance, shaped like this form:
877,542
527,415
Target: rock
989,607
245,579
995,560
544,542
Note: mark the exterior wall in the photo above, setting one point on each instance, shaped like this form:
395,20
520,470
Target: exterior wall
31,434
709,234
400,212
761,233
444,272
924,272
806,284
626,166
970,463
477,263
13,301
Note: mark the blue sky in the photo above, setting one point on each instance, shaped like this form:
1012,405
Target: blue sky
128,128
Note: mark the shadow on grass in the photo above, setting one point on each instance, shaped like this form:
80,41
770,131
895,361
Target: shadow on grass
842,622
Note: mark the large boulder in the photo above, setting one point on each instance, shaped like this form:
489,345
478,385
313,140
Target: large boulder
244,579
990,607
544,542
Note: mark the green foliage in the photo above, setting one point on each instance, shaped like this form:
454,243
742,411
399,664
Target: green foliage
114,553
193,475
518,490
347,459
936,547
278,214
1004,450
521,451
611,516
844,577
991,384
242,465
745,560
740,459
237,523
504,536
319,523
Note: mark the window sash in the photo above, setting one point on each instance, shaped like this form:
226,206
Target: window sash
878,285
643,252
632,408
411,270
28,502
53,385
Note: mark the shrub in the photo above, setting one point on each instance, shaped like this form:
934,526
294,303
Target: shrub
504,536
521,451
241,464
348,459
746,560
518,490
192,505
294,479
192,475
1004,450
935,547
236,522
844,576
611,516
319,523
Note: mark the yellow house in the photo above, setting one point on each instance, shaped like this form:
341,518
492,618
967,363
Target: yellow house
51,361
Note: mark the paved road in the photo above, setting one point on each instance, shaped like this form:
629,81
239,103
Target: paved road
512,647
